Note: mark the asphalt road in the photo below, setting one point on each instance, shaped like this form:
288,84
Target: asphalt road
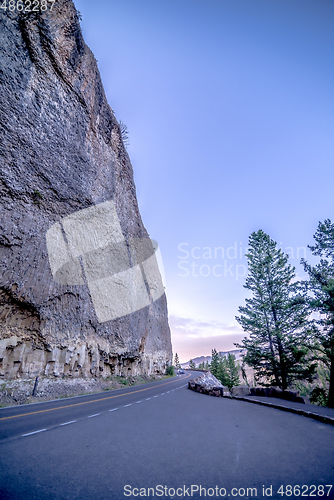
162,436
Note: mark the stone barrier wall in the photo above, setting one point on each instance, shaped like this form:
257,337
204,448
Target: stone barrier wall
276,392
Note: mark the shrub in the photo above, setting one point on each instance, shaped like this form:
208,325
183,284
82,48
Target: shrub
124,133
170,370
319,396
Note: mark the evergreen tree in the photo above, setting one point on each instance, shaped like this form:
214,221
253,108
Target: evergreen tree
222,372
224,369
276,316
177,361
215,363
192,365
321,285
231,371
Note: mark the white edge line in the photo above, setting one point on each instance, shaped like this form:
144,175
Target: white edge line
91,416
67,423
35,432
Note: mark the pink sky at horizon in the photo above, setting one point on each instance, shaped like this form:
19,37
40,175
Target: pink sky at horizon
193,338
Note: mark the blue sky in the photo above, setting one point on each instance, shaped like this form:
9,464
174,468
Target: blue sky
230,110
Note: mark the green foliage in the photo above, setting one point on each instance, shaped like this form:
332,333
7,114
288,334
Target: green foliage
192,364
319,396
231,370
124,381
38,194
323,373
276,317
215,362
305,388
321,285
37,197
177,361
224,369
170,371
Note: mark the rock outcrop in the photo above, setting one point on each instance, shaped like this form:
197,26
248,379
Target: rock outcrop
67,201
208,384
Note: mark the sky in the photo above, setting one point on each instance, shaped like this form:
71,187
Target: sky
229,106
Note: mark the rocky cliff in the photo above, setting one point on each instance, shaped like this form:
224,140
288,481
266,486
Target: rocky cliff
68,213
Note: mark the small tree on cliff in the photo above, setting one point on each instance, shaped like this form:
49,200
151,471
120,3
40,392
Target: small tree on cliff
276,317
321,285
124,133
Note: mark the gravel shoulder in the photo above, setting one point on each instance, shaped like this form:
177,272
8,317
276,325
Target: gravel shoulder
18,392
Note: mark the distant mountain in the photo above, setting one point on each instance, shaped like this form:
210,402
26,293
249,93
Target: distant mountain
237,353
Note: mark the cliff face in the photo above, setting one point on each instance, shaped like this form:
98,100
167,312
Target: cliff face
68,213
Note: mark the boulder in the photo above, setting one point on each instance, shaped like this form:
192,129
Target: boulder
208,384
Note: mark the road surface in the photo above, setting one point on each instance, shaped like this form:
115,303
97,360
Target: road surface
161,440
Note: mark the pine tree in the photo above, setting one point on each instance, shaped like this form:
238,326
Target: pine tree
215,363
276,316
321,285
192,365
224,369
222,372
231,370
177,361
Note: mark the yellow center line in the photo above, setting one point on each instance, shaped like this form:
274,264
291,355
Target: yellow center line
93,401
